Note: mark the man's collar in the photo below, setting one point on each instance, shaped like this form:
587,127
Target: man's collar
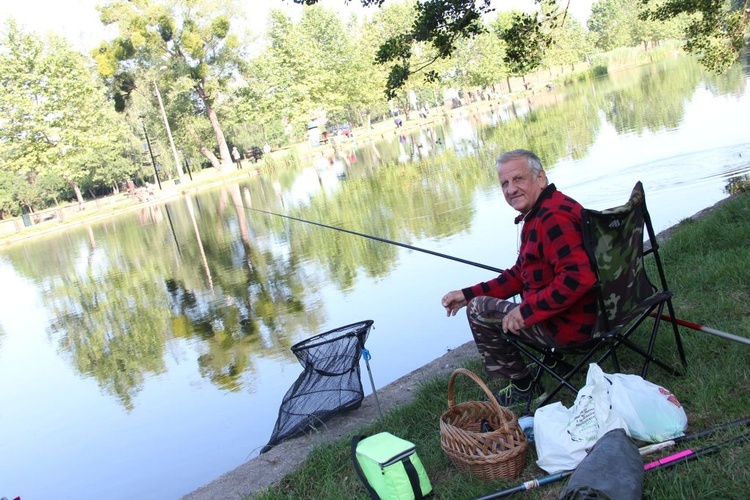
546,193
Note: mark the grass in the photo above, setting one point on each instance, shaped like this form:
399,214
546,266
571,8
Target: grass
707,263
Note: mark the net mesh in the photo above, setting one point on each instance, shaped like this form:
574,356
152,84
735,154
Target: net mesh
330,383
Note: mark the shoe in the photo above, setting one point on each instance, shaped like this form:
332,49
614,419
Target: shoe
560,365
512,395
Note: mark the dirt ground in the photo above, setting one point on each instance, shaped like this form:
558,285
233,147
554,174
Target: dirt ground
265,470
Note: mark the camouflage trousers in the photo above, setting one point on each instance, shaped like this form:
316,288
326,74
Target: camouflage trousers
501,358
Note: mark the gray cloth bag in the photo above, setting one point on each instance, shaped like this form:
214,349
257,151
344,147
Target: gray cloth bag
613,470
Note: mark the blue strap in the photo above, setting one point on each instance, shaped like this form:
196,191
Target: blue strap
366,354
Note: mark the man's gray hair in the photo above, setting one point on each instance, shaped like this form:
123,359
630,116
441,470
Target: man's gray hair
532,160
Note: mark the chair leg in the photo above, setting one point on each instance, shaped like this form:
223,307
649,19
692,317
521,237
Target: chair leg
648,354
650,358
547,358
677,338
542,367
610,352
564,380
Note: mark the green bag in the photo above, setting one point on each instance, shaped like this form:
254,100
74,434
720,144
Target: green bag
389,467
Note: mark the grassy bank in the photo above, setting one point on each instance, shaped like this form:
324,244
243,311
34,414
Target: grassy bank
708,267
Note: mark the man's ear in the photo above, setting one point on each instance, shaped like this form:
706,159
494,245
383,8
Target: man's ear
543,176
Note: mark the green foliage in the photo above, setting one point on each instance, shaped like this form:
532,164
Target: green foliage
438,23
569,44
58,130
220,27
166,28
477,62
443,23
191,39
398,47
8,197
525,42
715,29
610,23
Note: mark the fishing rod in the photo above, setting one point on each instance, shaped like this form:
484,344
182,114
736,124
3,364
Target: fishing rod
377,238
665,462
645,450
705,329
688,455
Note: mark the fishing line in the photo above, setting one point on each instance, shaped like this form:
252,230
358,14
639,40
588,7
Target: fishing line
377,238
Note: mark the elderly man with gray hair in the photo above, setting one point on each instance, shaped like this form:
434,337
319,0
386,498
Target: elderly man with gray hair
552,275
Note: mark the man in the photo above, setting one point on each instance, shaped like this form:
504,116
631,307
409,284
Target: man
237,158
552,275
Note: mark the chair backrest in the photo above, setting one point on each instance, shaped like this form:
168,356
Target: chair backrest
613,239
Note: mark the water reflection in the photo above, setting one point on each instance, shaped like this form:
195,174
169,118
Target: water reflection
183,314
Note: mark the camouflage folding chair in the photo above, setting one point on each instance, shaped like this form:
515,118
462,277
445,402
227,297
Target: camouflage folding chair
626,297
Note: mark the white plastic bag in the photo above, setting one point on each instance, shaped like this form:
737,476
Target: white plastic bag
563,435
651,412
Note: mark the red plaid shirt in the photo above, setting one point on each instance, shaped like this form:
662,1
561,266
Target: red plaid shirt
553,273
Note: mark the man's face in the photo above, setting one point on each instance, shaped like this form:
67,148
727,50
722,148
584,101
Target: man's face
520,187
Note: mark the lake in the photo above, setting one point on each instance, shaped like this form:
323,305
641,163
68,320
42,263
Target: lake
145,355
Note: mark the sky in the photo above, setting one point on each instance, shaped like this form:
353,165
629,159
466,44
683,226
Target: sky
78,20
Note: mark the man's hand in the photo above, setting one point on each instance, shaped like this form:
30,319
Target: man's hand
513,321
453,302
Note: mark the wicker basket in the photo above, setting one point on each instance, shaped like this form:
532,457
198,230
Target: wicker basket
496,454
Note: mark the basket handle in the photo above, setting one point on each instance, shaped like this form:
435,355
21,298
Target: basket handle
478,381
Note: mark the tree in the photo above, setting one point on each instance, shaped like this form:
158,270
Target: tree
442,24
387,26
56,123
313,66
716,33
480,61
189,38
526,40
618,23
277,80
438,23
611,22
363,81
570,45
715,30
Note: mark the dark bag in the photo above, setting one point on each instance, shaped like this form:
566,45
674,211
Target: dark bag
613,470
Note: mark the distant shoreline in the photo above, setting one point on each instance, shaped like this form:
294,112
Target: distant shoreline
121,203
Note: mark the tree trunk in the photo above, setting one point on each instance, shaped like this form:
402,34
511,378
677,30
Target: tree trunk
404,103
77,191
204,150
225,162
